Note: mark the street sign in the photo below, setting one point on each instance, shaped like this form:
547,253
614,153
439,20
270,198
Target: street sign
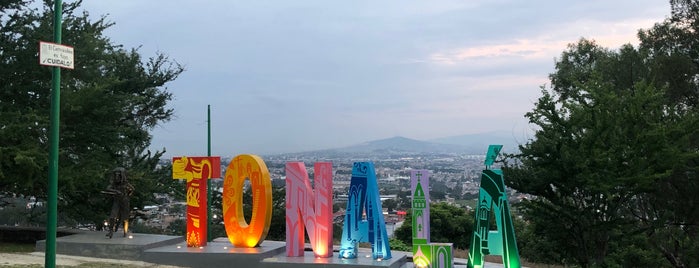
52,54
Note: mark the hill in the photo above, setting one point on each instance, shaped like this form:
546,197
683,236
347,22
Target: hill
401,144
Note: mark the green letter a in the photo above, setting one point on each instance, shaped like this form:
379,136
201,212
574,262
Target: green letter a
493,197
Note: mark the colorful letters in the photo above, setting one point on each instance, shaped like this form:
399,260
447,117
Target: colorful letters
241,233
309,208
426,254
364,198
492,194
196,170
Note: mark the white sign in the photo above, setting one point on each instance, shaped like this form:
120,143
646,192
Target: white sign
52,54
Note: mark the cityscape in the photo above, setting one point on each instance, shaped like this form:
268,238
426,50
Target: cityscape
454,177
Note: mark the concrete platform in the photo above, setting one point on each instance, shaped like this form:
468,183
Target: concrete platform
218,253
95,244
397,260
172,250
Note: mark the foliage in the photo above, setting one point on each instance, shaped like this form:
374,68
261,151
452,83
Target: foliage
21,212
613,162
179,227
109,103
141,228
399,245
448,224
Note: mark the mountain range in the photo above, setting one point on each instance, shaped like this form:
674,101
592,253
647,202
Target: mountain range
467,144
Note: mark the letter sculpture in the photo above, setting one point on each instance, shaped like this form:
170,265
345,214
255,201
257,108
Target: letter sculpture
364,198
493,197
426,254
196,170
310,208
239,232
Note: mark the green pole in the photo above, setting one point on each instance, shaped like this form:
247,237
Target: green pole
208,182
52,213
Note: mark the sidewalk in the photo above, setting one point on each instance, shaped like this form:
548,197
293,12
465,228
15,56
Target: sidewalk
37,258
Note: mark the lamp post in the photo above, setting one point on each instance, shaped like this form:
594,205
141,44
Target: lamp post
209,237
52,197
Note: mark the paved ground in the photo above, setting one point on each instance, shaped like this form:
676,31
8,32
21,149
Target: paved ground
10,259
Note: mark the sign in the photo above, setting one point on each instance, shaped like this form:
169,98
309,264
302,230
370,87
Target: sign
52,54
492,199
426,254
196,170
364,199
241,233
309,209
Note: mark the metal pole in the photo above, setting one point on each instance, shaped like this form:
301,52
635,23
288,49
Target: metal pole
209,235
52,202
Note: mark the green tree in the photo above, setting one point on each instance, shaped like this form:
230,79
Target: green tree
448,224
389,204
109,103
670,212
615,151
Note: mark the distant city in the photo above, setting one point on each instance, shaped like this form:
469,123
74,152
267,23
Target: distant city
455,171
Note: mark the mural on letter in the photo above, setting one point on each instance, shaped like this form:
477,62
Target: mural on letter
426,254
492,198
196,170
363,198
239,231
309,208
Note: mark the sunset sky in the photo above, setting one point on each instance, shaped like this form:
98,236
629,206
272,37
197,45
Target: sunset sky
288,76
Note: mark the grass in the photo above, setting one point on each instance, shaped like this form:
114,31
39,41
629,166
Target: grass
7,247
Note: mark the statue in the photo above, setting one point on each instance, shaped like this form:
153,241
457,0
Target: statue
120,190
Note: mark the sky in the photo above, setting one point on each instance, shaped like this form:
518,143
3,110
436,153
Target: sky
291,76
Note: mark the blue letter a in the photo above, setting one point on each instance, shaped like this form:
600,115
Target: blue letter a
364,197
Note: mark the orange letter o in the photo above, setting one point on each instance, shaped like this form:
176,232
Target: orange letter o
239,232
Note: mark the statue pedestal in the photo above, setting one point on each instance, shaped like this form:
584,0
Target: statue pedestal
96,245
173,250
218,253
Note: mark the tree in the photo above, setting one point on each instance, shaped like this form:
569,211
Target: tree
390,204
448,224
615,152
109,103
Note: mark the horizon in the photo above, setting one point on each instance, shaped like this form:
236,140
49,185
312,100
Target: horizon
463,143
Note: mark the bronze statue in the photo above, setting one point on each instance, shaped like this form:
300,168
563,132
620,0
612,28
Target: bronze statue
120,189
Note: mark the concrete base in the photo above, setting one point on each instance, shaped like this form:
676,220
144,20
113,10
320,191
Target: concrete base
219,253
95,244
172,250
309,260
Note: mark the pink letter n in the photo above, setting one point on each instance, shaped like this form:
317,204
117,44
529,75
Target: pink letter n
309,208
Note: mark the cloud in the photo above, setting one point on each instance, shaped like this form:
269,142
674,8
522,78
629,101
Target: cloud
518,49
546,45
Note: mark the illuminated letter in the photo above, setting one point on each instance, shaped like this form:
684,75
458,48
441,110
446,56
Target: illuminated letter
364,197
492,195
240,233
196,170
426,254
304,207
